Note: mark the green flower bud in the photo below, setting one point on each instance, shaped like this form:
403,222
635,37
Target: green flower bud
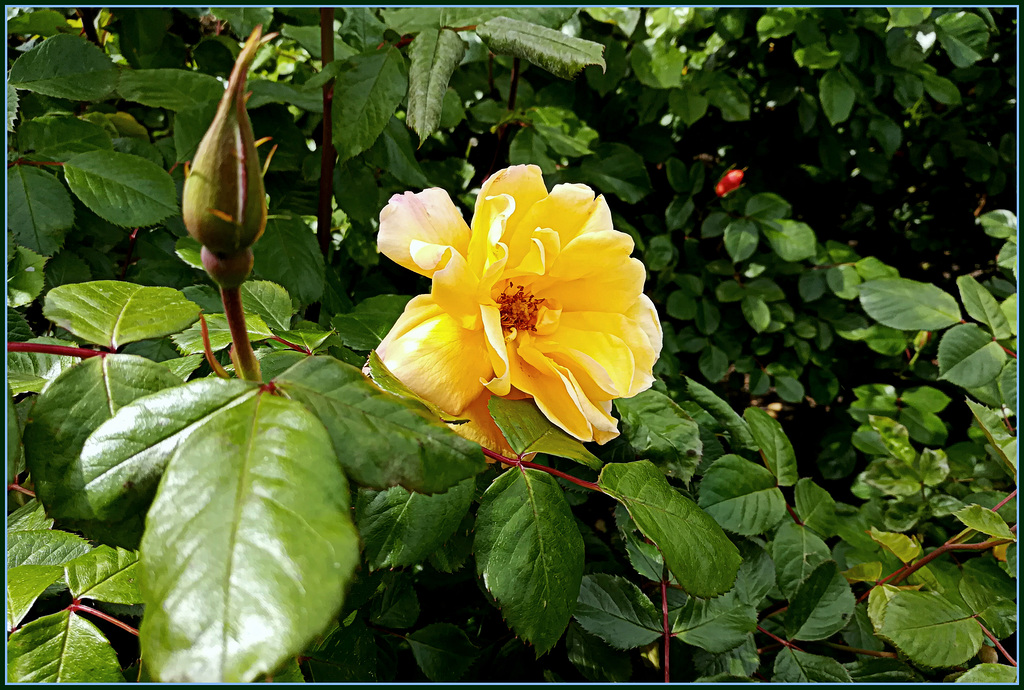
224,204
227,271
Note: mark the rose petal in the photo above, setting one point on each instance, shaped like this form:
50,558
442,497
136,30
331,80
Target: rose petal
416,230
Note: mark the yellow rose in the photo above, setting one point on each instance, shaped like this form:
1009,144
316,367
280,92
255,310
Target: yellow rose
538,299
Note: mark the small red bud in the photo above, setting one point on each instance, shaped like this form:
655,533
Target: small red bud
729,183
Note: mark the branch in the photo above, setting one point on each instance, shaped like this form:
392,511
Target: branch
866,652
297,348
131,249
518,462
44,349
784,643
247,367
20,489
327,153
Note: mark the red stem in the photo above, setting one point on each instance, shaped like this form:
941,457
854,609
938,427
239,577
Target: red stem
327,153
75,607
1007,351
208,349
44,349
19,488
543,468
665,632
995,642
22,161
297,348
131,249
1005,501
784,643
793,514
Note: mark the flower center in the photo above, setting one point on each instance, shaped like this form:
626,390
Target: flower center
518,308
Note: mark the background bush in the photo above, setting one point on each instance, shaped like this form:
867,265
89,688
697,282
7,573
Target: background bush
876,145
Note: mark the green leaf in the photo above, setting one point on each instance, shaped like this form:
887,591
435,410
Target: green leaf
529,431
410,20
399,528
434,55
695,549
33,371
981,305
366,95
837,96
817,56
1002,441
796,551
774,444
617,169
794,666
39,209
660,431
249,512
791,239
742,497
530,554
908,305
562,55
56,432
964,37
989,673
190,341
13,439
65,66
24,585
38,23
715,625
969,357
740,239
984,521
615,609
999,224
930,630
61,648
122,188
111,313
43,546
174,89
941,89
288,254
739,431
900,17
25,277
270,301
366,325
382,440
688,105
816,507
443,651
822,605
105,574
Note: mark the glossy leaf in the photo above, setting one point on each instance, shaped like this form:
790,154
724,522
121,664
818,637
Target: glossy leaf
774,444
562,55
39,209
1002,441
837,96
61,648
953,636
43,546
25,277
190,341
740,239
24,585
660,431
249,511
969,357
121,188
796,551
529,431
365,97
111,313
822,605
381,440
56,433
989,673
530,554
434,56
742,497
615,609
174,89
695,549
366,325
31,372
105,574
715,625
816,507
268,300
908,305
399,528
985,521
739,431
65,66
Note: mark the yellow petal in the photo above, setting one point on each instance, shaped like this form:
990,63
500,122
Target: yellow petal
435,357
645,316
524,183
417,230
497,349
612,284
457,290
601,362
569,211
